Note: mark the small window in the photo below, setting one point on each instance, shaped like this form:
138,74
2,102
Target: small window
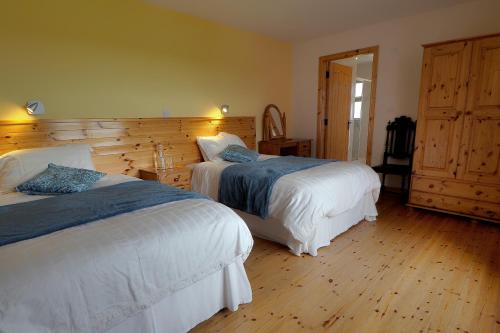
358,90
357,109
358,99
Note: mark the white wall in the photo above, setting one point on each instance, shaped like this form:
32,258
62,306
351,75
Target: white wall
400,61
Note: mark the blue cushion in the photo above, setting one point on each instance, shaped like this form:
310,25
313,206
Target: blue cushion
236,153
58,179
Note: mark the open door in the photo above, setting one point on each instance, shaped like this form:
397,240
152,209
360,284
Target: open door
338,111
347,85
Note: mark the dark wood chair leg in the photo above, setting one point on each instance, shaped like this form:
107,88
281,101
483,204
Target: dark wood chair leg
383,183
403,190
408,182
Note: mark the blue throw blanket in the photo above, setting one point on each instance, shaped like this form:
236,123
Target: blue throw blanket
248,186
36,218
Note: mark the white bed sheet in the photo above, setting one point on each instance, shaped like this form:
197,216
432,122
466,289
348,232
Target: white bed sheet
93,277
184,309
301,200
326,228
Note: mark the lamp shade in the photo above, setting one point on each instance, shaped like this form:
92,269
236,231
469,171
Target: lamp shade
35,107
224,108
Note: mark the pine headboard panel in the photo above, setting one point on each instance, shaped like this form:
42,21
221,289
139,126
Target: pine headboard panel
125,145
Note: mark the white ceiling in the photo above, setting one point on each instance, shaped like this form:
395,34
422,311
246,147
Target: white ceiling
296,20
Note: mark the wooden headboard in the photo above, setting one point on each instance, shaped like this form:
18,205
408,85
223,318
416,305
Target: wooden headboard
125,145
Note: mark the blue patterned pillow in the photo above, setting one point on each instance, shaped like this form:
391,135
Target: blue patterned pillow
236,153
58,179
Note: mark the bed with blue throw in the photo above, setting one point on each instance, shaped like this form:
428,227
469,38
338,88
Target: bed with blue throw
125,256
32,219
248,186
301,202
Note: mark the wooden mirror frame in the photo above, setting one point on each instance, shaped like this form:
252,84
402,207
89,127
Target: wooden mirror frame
269,124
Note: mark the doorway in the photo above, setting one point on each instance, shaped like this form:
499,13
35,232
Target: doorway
346,105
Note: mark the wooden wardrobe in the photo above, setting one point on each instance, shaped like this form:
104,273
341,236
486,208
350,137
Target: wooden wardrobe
457,149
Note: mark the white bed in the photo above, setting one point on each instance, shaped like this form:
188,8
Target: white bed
160,269
307,208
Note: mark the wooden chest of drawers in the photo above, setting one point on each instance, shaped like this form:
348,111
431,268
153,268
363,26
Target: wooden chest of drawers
284,147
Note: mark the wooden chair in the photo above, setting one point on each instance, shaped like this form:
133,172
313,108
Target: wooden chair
399,145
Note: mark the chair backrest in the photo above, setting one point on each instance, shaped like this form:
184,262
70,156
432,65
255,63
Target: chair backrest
400,139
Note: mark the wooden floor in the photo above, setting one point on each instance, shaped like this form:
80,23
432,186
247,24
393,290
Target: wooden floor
411,271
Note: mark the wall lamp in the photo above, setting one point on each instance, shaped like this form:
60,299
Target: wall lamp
224,109
34,107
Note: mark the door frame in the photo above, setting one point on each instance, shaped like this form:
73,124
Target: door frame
322,95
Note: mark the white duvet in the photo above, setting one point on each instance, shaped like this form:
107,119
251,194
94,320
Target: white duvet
301,199
92,277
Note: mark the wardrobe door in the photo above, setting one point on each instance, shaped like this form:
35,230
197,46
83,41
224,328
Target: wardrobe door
442,103
480,151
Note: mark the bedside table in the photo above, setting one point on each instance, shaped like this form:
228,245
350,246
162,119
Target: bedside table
179,177
284,147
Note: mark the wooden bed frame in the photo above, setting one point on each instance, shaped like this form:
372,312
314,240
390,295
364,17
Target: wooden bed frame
125,145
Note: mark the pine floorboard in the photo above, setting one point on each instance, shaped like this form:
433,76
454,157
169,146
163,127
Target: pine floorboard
410,271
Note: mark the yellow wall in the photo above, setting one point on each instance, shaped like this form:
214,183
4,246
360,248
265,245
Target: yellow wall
128,58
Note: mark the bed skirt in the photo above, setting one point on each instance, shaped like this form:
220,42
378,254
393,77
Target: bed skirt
186,308
327,228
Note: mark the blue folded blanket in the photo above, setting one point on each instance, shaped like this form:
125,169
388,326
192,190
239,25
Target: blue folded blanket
248,186
36,218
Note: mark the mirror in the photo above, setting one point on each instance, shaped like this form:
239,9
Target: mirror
274,123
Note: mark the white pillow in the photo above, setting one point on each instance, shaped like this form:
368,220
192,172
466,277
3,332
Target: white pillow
18,166
211,146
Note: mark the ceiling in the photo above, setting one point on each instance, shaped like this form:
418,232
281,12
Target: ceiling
298,20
